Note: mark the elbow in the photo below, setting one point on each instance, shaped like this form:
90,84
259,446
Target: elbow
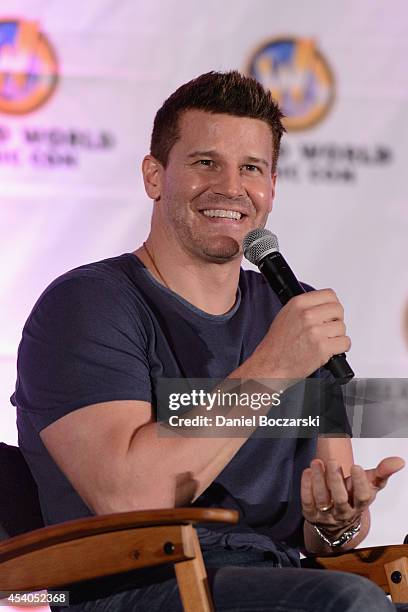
158,490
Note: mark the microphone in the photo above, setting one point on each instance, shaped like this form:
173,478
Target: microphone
261,248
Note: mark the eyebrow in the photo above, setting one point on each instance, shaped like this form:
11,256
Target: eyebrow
258,160
212,153
202,153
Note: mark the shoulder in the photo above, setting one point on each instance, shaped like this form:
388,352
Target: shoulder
93,292
117,271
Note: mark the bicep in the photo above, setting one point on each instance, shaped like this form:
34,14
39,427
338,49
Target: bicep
90,445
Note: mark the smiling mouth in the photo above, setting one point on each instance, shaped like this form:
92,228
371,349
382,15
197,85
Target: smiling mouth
223,214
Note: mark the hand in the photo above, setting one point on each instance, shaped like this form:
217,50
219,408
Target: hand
334,503
303,336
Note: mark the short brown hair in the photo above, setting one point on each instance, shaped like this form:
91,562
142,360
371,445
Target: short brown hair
215,92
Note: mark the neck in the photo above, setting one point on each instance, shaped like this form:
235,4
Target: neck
211,287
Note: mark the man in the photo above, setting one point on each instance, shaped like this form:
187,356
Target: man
101,337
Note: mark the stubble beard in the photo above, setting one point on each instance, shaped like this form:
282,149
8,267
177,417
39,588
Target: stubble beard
216,248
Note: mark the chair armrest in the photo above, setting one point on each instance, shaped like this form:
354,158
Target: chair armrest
107,523
71,551
368,562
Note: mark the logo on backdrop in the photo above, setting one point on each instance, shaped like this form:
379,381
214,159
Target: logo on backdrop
28,78
28,67
299,78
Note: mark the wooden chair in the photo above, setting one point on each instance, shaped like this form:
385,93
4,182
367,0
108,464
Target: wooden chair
387,566
34,557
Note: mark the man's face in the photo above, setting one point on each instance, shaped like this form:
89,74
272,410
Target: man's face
218,184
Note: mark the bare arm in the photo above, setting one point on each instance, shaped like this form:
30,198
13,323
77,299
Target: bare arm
118,459
114,457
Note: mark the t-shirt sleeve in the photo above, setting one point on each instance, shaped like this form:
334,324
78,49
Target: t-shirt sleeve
84,343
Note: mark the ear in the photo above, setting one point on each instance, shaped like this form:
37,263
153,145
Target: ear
152,175
273,191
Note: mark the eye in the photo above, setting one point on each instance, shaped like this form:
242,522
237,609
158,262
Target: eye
205,162
252,168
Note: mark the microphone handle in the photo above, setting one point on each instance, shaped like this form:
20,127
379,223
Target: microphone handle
286,286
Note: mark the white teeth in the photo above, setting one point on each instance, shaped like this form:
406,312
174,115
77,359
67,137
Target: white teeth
229,214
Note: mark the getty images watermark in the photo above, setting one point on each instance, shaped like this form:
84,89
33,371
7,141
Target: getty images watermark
366,408
233,408
218,399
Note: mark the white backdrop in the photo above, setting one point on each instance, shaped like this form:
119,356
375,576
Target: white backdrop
70,181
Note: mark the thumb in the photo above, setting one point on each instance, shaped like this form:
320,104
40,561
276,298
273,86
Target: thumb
386,468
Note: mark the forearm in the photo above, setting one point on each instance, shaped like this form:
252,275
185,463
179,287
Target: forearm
315,545
174,471
169,467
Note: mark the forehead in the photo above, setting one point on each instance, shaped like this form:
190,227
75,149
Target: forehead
203,130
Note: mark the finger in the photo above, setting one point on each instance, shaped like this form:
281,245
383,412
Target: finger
386,468
315,297
334,329
363,493
306,493
338,491
338,345
320,490
332,311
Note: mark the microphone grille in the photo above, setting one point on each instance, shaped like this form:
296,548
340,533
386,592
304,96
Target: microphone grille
258,243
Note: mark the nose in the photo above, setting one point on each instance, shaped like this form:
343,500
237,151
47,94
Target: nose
229,183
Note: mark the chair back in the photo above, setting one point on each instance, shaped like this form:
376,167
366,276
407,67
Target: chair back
20,509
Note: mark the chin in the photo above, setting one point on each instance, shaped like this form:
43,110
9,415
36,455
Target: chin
222,249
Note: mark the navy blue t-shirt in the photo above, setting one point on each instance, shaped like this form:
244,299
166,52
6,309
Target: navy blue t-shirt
108,331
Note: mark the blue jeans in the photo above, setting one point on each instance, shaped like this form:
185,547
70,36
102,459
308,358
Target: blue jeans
246,581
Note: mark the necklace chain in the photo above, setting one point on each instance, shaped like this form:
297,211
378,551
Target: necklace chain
159,274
